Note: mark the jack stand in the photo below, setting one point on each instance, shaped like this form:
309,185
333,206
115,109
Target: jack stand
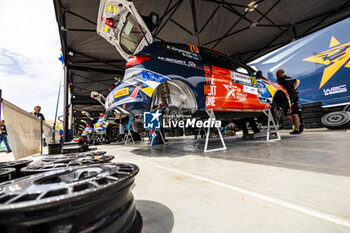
154,134
269,120
126,137
212,118
128,134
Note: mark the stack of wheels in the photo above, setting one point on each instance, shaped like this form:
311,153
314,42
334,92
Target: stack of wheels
136,136
170,133
337,120
188,131
178,132
51,163
287,124
89,153
312,114
93,198
16,165
6,173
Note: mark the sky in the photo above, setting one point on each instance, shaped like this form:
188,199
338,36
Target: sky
30,71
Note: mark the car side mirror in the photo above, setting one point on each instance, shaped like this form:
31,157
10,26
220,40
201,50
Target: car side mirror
258,74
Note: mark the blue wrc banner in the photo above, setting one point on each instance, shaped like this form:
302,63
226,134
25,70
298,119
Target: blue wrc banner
321,61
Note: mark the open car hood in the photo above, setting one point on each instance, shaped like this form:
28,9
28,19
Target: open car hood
121,25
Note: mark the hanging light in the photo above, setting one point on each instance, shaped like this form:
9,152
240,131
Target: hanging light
251,6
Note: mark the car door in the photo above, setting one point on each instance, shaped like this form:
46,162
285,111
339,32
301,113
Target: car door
121,25
235,89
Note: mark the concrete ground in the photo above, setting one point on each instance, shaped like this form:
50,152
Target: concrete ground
300,184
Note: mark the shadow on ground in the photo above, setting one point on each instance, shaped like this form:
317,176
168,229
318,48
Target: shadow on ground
156,216
324,151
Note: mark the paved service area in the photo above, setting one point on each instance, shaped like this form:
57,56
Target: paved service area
300,184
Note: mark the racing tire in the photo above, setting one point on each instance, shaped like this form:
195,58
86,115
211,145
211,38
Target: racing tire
178,132
312,120
309,110
17,165
336,120
136,136
94,198
6,173
277,113
113,132
313,125
52,163
287,124
188,132
307,115
311,105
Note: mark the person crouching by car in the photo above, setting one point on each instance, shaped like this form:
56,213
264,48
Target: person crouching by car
3,135
291,86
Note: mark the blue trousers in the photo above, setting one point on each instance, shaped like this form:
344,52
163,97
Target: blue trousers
4,138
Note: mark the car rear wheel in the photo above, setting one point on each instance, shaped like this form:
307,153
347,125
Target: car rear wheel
180,95
277,113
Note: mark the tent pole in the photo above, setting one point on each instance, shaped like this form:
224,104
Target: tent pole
0,101
65,105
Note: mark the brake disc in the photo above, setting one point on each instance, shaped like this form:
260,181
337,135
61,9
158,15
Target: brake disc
6,173
94,198
60,162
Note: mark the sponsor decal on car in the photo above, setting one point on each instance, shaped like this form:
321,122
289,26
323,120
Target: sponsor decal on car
183,52
251,90
121,92
194,49
209,87
176,61
235,92
335,90
240,78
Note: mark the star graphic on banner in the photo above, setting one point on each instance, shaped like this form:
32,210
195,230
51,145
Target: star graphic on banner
334,58
230,90
156,115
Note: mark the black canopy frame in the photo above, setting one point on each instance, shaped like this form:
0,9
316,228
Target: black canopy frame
244,29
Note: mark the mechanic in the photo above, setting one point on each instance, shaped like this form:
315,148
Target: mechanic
36,113
291,86
3,136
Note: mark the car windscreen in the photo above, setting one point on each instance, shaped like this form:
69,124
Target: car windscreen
131,35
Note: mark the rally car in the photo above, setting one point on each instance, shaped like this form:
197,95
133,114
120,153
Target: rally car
179,78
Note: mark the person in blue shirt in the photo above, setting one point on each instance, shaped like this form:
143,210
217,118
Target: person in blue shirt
3,135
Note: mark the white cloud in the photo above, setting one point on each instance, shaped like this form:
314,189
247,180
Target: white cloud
30,71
